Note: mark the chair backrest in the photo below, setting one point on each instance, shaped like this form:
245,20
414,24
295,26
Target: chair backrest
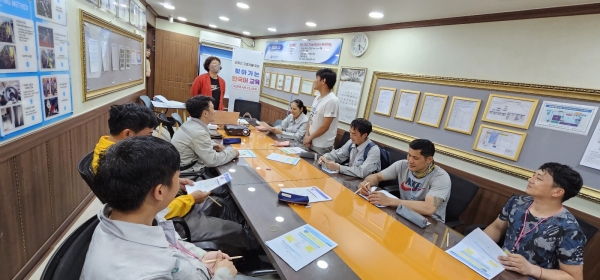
277,122
67,262
87,174
462,193
588,230
395,154
147,101
343,140
245,106
177,118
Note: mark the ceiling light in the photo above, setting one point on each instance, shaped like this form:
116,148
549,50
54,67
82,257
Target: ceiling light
272,29
304,39
224,18
168,6
123,5
243,5
311,24
212,26
246,33
375,15
182,18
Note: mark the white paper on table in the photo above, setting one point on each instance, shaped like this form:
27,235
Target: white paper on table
284,159
161,102
591,156
314,194
433,108
301,246
479,252
385,101
246,154
292,150
94,55
209,184
386,193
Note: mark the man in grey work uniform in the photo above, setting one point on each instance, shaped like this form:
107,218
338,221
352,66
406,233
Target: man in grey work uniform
424,186
353,152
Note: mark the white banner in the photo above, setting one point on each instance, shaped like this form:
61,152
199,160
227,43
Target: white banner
326,51
246,76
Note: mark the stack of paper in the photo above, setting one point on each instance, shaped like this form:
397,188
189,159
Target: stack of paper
479,252
314,194
301,246
210,184
162,102
292,150
284,159
246,154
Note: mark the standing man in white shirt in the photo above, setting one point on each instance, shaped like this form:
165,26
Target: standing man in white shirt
323,122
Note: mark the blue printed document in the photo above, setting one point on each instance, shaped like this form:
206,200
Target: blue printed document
301,246
314,194
284,159
210,184
246,154
479,252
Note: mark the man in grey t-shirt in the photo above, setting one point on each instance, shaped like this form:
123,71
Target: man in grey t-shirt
424,187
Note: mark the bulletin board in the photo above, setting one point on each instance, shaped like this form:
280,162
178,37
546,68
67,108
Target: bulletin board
306,72
540,145
35,83
112,58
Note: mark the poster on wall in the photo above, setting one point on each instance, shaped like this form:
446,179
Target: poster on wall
349,92
109,6
591,156
17,44
51,10
246,76
143,20
123,10
572,118
56,94
53,48
325,51
19,103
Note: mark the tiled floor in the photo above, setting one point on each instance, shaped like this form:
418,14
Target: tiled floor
90,211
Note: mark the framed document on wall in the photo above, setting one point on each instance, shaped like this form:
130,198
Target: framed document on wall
280,81
432,109
307,86
273,80
287,83
462,115
499,142
296,81
385,100
407,105
267,80
509,110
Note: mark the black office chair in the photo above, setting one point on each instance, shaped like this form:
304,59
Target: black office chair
245,106
462,192
343,140
147,101
393,186
166,122
85,171
67,262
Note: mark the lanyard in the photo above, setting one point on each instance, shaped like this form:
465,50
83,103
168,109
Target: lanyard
536,225
189,253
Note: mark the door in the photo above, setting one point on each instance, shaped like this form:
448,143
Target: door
176,57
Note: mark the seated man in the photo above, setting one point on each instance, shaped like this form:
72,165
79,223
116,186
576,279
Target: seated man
541,237
424,187
192,139
138,185
134,119
360,164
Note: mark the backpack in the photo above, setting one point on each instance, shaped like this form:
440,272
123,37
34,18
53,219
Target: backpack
384,156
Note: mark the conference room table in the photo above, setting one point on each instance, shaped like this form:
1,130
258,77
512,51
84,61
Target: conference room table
373,243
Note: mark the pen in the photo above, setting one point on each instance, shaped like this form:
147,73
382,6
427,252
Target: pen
448,240
359,188
233,258
215,201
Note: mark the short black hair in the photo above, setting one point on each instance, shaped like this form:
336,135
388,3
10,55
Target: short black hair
148,47
564,177
363,126
131,168
328,75
426,147
131,116
209,60
198,104
300,105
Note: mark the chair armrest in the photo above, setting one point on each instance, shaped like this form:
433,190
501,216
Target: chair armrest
183,224
207,246
453,224
262,272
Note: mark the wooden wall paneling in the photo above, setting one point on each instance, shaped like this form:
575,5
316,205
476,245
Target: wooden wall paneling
270,113
37,207
79,148
61,182
11,230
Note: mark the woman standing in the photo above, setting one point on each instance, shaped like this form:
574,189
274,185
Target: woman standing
210,84
294,125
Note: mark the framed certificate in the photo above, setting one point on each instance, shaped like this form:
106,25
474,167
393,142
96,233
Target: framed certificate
385,99
499,142
296,81
280,81
307,86
267,80
432,109
462,115
509,110
287,83
407,105
273,80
